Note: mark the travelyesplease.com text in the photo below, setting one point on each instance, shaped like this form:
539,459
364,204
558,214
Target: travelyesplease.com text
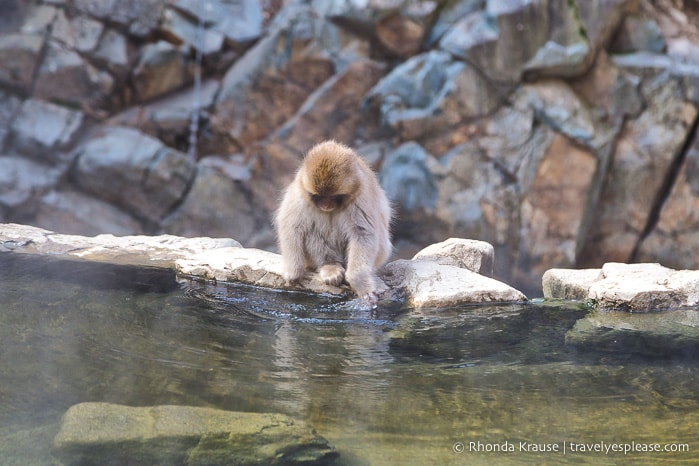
600,447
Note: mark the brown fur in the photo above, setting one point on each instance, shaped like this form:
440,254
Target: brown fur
351,240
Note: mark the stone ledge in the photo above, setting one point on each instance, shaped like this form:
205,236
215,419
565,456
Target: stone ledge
444,274
625,287
161,251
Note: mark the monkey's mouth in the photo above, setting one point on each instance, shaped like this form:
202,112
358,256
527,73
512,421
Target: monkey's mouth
326,205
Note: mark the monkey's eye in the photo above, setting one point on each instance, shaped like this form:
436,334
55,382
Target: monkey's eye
337,199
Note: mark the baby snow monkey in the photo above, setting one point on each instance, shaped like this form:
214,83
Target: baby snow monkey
334,218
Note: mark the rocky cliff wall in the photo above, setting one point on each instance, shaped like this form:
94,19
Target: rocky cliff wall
562,132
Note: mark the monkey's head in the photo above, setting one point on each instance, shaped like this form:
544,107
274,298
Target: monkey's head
329,176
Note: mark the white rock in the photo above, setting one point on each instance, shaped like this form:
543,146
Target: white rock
630,287
429,284
569,283
470,254
160,250
251,266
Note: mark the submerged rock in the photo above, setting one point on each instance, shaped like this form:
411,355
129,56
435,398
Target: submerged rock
105,433
658,334
626,287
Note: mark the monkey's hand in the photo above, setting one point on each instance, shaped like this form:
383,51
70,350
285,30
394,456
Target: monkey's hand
332,274
367,302
367,286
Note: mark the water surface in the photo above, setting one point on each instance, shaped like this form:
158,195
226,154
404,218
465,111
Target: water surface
390,386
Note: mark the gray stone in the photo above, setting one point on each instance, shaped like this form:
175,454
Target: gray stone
245,25
19,56
565,61
133,170
449,15
206,40
169,118
104,433
476,256
558,106
638,34
431,92
113,53
161,68
626,287
22,180
510,38
139,16
365,13
253,99
218,205
480,38
645,152
159,251
315,120
429,284
79,32
39,19
64,76
407,179
478,197
41,128
402,33
240,21
657,334
75,213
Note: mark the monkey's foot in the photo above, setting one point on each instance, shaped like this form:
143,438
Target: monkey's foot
332,274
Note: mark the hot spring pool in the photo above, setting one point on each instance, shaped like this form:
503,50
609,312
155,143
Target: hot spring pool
471,385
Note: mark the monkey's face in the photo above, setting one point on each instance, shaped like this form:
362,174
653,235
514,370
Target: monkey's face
328,203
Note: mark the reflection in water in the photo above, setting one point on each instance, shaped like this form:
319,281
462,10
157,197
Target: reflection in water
387,386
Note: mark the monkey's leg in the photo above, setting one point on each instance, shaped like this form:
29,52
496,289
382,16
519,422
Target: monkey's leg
332,274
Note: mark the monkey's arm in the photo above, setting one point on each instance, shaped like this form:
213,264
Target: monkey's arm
361,275
291,240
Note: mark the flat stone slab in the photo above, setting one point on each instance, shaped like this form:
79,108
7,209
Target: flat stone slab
656,334
625,287
161,250
251,266
105,433
444,274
